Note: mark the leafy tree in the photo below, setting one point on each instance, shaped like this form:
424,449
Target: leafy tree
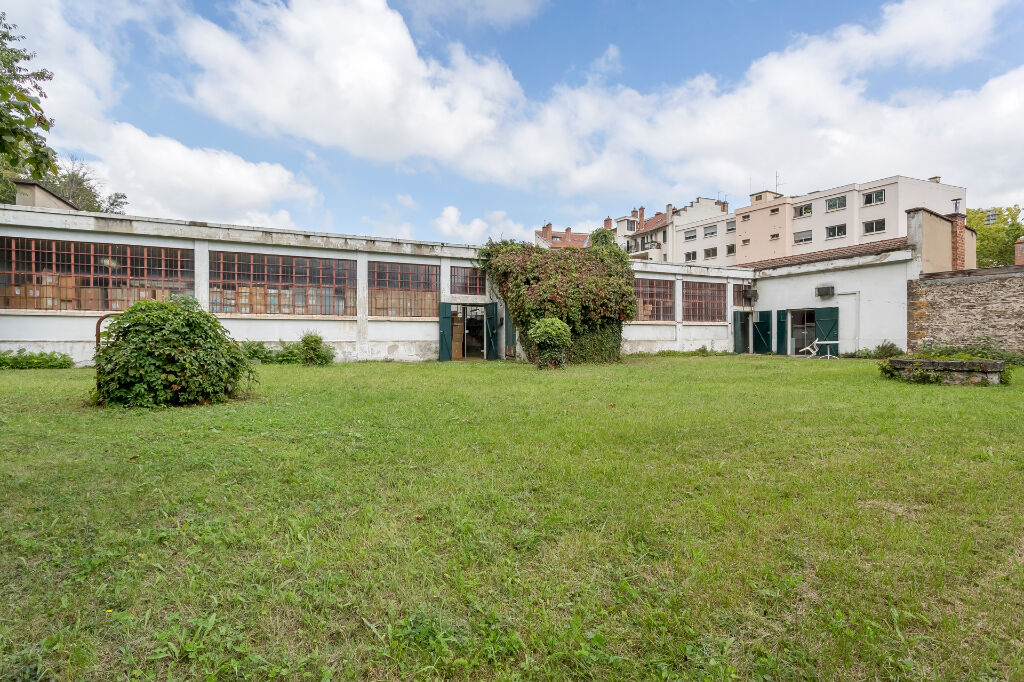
602,237
22,121
995,241
76,182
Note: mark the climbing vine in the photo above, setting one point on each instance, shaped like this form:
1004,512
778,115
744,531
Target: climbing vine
590,289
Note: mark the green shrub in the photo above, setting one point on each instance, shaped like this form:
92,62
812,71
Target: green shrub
981,348
168,353
309,350
884,350
551,336
913,375
22,359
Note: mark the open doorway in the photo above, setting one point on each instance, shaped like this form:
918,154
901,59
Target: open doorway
802,322
468,332
741,325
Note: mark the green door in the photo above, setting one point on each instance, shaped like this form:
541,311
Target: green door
491,331
781,338
763,332
445,315
826,328
510,336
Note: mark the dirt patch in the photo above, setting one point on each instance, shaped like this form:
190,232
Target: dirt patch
894,509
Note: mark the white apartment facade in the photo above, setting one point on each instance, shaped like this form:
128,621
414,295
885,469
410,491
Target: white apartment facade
776,226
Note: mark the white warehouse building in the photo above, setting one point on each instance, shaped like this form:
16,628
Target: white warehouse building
62,271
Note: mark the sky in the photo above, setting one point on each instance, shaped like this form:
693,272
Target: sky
464,120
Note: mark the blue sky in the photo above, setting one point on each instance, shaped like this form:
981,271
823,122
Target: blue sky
459,120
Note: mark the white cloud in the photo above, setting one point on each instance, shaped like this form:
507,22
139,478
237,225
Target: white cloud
609,63
161,176
350,76
407,201
497,225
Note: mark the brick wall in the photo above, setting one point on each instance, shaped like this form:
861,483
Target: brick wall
957,307
1020,251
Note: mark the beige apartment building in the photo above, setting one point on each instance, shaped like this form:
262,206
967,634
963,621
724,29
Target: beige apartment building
776,226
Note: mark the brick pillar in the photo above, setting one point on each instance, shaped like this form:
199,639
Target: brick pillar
608,223
1019,260
959,240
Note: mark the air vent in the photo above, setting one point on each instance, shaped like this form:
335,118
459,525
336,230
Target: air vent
825,292
750,294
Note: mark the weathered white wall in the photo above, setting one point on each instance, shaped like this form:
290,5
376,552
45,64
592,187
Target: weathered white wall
651,337
872,297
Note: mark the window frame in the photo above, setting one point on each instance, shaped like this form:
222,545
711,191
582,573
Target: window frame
872,194
689,256
255,283
874,229
710,252
841,197
659,294
467,281
808,240
710,231
389,297
703,301
730,226
64,275
803,210
730,249
835,229
690,235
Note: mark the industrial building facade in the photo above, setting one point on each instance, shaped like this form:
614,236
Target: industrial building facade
61,270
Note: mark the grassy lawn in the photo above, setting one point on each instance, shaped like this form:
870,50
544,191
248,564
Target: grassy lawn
662,518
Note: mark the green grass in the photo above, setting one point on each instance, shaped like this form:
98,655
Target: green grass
661,518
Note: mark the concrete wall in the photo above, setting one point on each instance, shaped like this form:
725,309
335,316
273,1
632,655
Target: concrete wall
959,307
869,293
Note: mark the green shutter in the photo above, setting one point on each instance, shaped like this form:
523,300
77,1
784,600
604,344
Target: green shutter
445,315
781,337
763,332
826,328
510,336
739,343
491,331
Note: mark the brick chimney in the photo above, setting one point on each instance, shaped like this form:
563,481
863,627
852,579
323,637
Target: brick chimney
724,205
608,223
959,240
1019,260
546,232
641,217
568,231
634,213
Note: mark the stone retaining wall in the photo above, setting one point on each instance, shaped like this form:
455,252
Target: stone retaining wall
959,307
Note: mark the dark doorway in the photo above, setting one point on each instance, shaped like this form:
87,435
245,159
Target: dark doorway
741,331
803,328
467,332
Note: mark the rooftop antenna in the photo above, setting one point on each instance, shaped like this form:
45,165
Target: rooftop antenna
777,183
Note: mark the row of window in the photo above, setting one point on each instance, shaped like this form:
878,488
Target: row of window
701,301
712,252
835,231
46,274
871,198
708,230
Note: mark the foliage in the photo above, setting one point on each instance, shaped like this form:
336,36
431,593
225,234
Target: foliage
886,349
309,350
912,375
168,353
701,352
591,290
22,359
995,241
552,338
602,237
76,182
407,521
981,348
22,121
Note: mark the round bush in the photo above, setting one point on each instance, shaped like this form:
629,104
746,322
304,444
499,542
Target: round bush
172,353
552,337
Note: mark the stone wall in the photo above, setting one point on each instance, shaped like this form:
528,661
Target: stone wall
958,307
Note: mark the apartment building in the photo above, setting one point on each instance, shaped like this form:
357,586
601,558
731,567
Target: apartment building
775,226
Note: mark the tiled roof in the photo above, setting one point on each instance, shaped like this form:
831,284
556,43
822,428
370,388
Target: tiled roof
870,249
653,223
572,239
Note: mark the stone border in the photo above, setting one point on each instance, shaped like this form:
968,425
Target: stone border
950,372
